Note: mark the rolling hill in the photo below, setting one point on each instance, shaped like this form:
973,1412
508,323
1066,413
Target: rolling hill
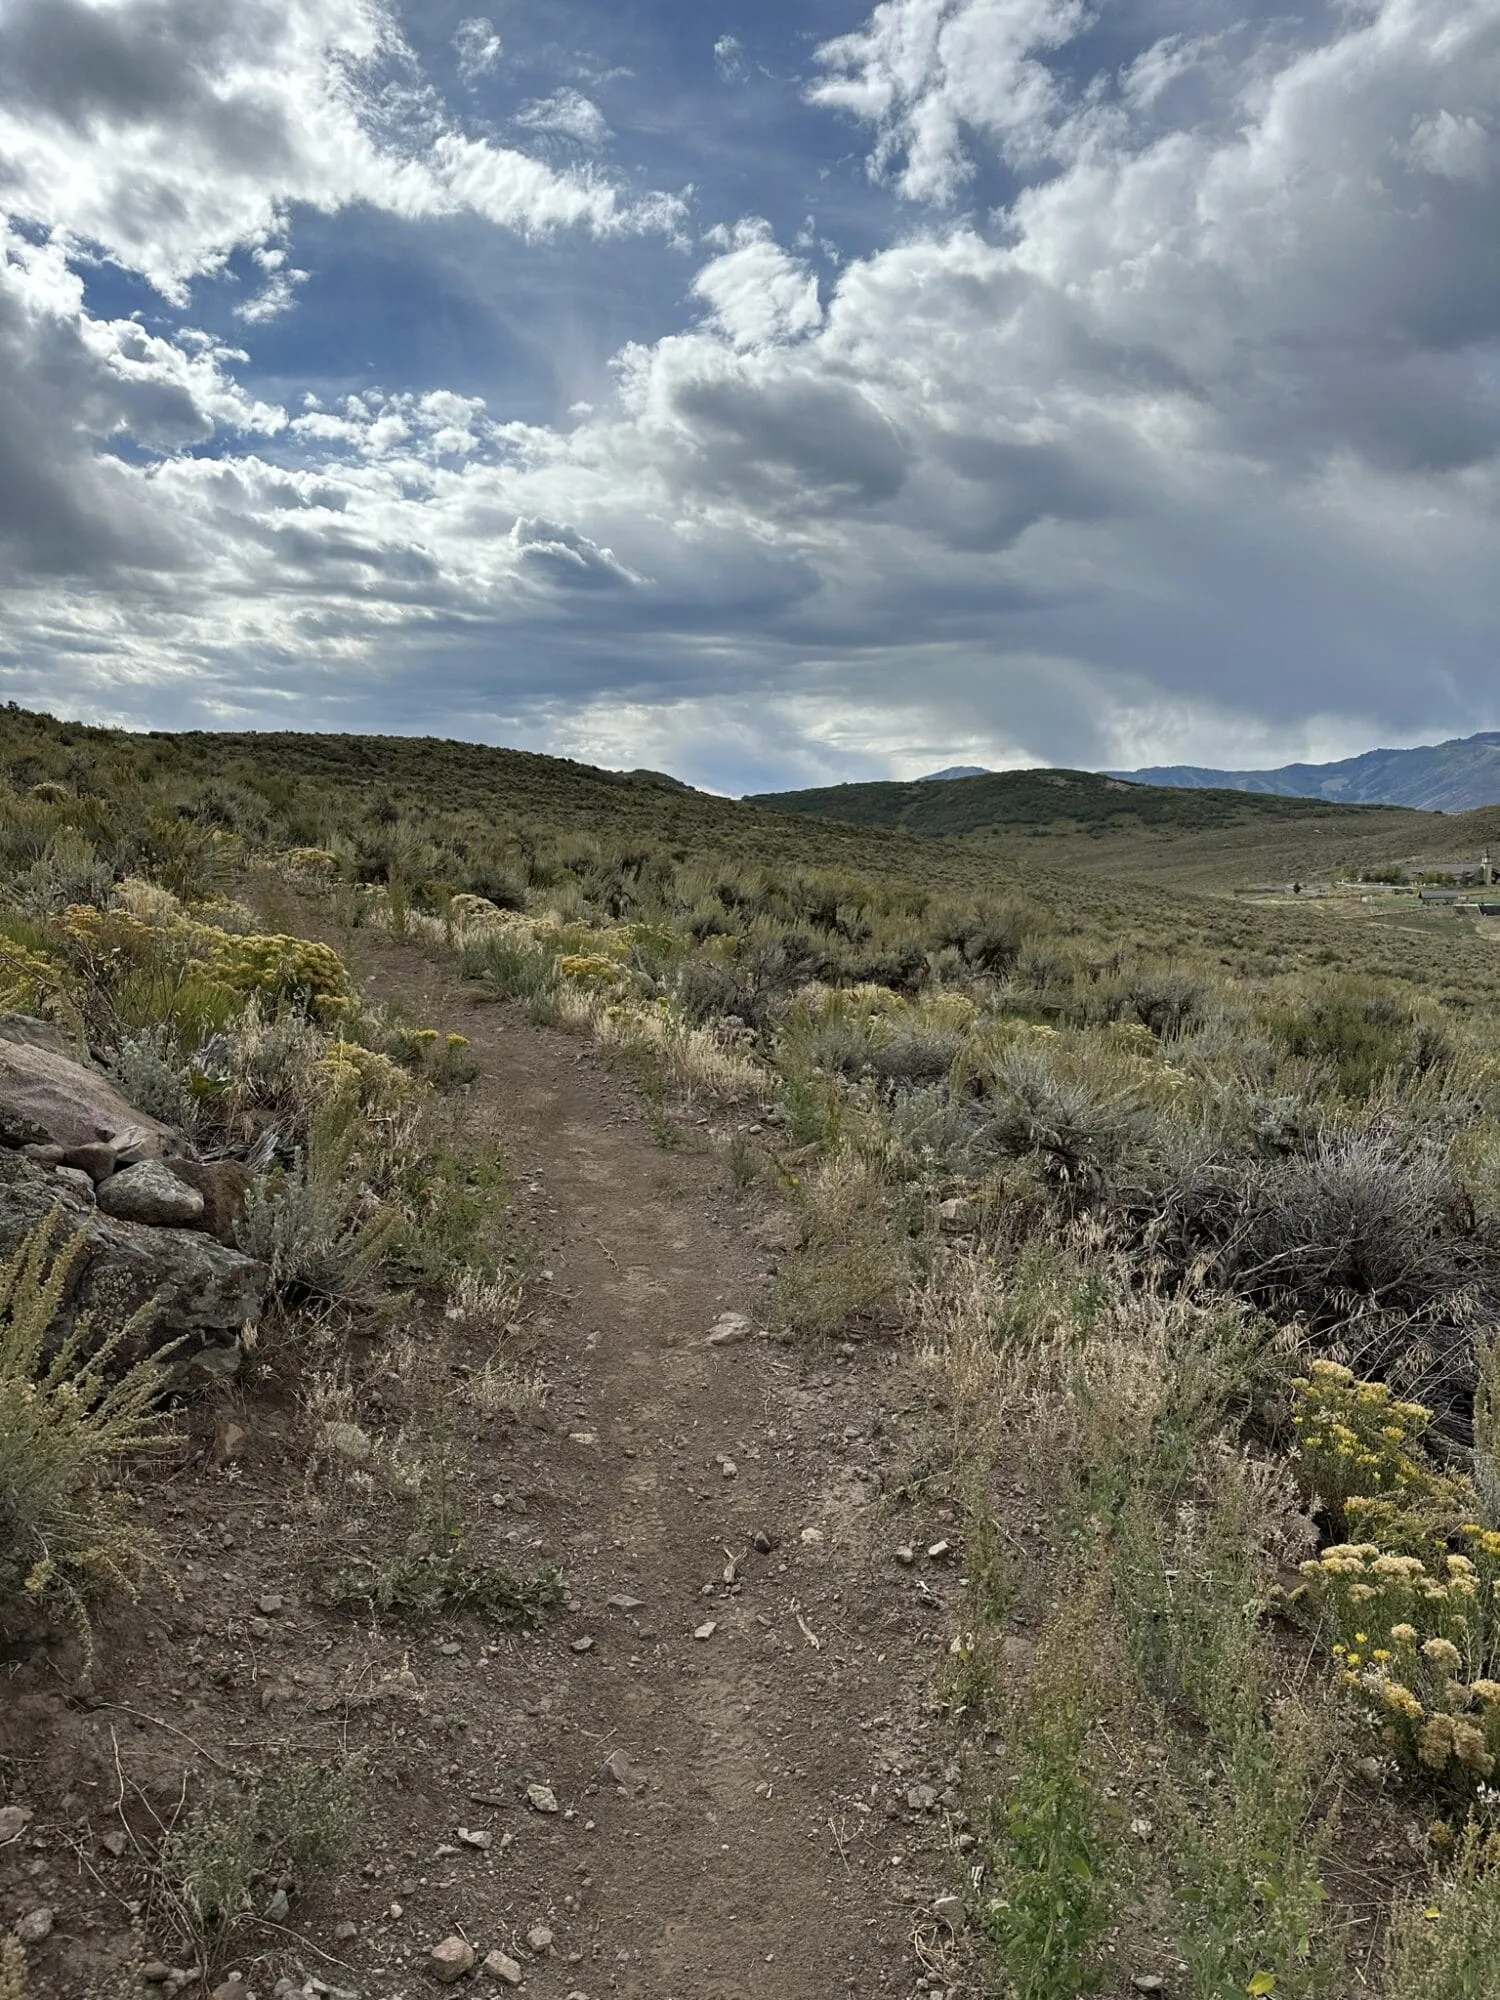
1044,802
1456,776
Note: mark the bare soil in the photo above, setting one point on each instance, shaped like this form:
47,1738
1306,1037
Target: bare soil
775,1823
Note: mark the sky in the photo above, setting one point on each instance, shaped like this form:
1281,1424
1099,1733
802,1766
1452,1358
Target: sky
770,393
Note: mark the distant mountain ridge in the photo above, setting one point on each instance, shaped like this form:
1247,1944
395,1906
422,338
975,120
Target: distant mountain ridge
955,771
1456,776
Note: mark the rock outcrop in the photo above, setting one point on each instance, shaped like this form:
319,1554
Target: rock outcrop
48,1099
201,1287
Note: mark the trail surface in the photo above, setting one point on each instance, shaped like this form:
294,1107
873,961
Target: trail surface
734,1761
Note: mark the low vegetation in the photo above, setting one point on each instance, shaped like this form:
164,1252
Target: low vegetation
1191,1211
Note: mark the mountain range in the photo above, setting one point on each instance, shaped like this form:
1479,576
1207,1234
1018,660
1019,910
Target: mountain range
1456,776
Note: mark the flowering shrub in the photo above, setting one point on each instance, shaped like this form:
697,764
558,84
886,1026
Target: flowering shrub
28,980
282,970
1355,1441
1416,1623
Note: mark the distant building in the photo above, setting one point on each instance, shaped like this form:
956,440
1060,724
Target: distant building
1444,896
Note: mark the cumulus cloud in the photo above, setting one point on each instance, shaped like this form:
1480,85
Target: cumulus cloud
167,134
1192,451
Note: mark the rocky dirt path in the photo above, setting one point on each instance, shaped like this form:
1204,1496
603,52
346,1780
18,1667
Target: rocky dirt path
735,1719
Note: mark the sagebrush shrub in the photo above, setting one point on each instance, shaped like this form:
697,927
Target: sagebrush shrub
71,1414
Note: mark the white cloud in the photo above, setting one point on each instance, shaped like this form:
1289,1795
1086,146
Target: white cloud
568,112
479,48
729,59
756,292
168,134
922,71
1196,454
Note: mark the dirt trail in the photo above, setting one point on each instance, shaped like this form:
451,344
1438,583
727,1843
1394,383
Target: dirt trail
763,1842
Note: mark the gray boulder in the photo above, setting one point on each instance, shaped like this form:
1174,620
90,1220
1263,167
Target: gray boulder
200,1286
150,1192
46,1098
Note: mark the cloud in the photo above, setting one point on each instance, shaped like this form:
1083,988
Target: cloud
167,134
567,112
1190,452
479,48
923,71
729,59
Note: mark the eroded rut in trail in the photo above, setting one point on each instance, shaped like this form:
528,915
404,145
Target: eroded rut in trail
772,1822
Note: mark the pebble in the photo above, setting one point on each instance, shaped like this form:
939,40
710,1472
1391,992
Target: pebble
949,1910
541,1798
476,1837
451,1959
583,1644
728,1469
233,1988
763,1542
271,1602
156,1971
906,1555
620,1602
707,1629
539,1938
1148,1982
35,1925
937,1550
345,1931
618,1766
279,1908
499,1966
13,1822
114,1843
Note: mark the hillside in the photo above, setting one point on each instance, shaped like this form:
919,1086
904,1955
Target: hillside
693,1306
1455,776
1041,802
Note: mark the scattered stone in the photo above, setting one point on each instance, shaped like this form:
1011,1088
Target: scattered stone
150,1192
97,1161
618,1766
229,1444
707,1629
620,1602
345,1931
75,1178
271,1602
906,1555
937,1551
728,1469
451,1959
499,1966
728,1330
233,1988
223,1187
1142,1828
279,1909
476,1837
156,1972
922,1798
583,1644
764,1543
13,1822
1148,1982
949,1911
539,1938
35,1925
114,1843
541,1798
